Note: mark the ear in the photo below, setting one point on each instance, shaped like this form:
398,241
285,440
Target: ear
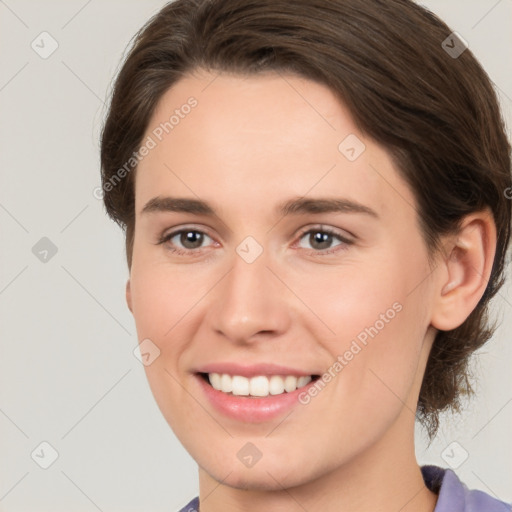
129,296
465,270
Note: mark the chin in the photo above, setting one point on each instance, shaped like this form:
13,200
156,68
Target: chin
261,477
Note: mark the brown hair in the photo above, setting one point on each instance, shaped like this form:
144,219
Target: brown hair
436,113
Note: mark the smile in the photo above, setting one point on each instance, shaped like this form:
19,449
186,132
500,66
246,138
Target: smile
258,386
256,398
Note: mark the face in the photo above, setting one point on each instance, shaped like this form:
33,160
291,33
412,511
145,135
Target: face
274,240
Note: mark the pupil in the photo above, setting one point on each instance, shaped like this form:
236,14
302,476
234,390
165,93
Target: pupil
321,238
191,237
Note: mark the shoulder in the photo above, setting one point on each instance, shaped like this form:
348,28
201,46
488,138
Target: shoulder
454,496
193,506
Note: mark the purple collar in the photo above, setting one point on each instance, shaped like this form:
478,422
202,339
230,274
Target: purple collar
454,496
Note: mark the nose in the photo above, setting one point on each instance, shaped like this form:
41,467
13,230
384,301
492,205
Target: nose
250,303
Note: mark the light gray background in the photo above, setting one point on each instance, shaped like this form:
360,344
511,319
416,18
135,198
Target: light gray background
68,375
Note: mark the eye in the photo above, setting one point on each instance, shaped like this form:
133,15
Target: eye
321,239
189,238
189,241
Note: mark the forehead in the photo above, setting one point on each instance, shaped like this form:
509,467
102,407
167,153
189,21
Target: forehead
249,139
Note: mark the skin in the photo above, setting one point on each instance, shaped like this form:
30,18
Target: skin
251,143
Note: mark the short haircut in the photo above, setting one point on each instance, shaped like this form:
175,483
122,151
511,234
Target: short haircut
407,81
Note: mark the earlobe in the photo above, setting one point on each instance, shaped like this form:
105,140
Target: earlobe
129,296
466,270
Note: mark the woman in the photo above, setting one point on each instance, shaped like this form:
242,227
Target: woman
314,199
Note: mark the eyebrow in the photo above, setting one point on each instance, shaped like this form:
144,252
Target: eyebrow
291,207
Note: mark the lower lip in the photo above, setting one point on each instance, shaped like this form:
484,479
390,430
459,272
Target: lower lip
252,410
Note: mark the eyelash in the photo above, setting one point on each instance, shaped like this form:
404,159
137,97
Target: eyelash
187,252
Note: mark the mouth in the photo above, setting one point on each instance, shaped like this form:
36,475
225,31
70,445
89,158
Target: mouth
259,386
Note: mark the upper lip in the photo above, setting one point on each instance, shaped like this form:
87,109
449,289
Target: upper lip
252,370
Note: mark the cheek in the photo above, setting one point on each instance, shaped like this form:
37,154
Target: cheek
162,298
162,304
347,300
368,320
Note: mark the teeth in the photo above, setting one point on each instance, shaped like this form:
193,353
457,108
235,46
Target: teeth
257,386
240,385
225,383
276,385
290,383
302,381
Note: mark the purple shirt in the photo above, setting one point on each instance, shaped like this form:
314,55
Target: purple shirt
454,496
